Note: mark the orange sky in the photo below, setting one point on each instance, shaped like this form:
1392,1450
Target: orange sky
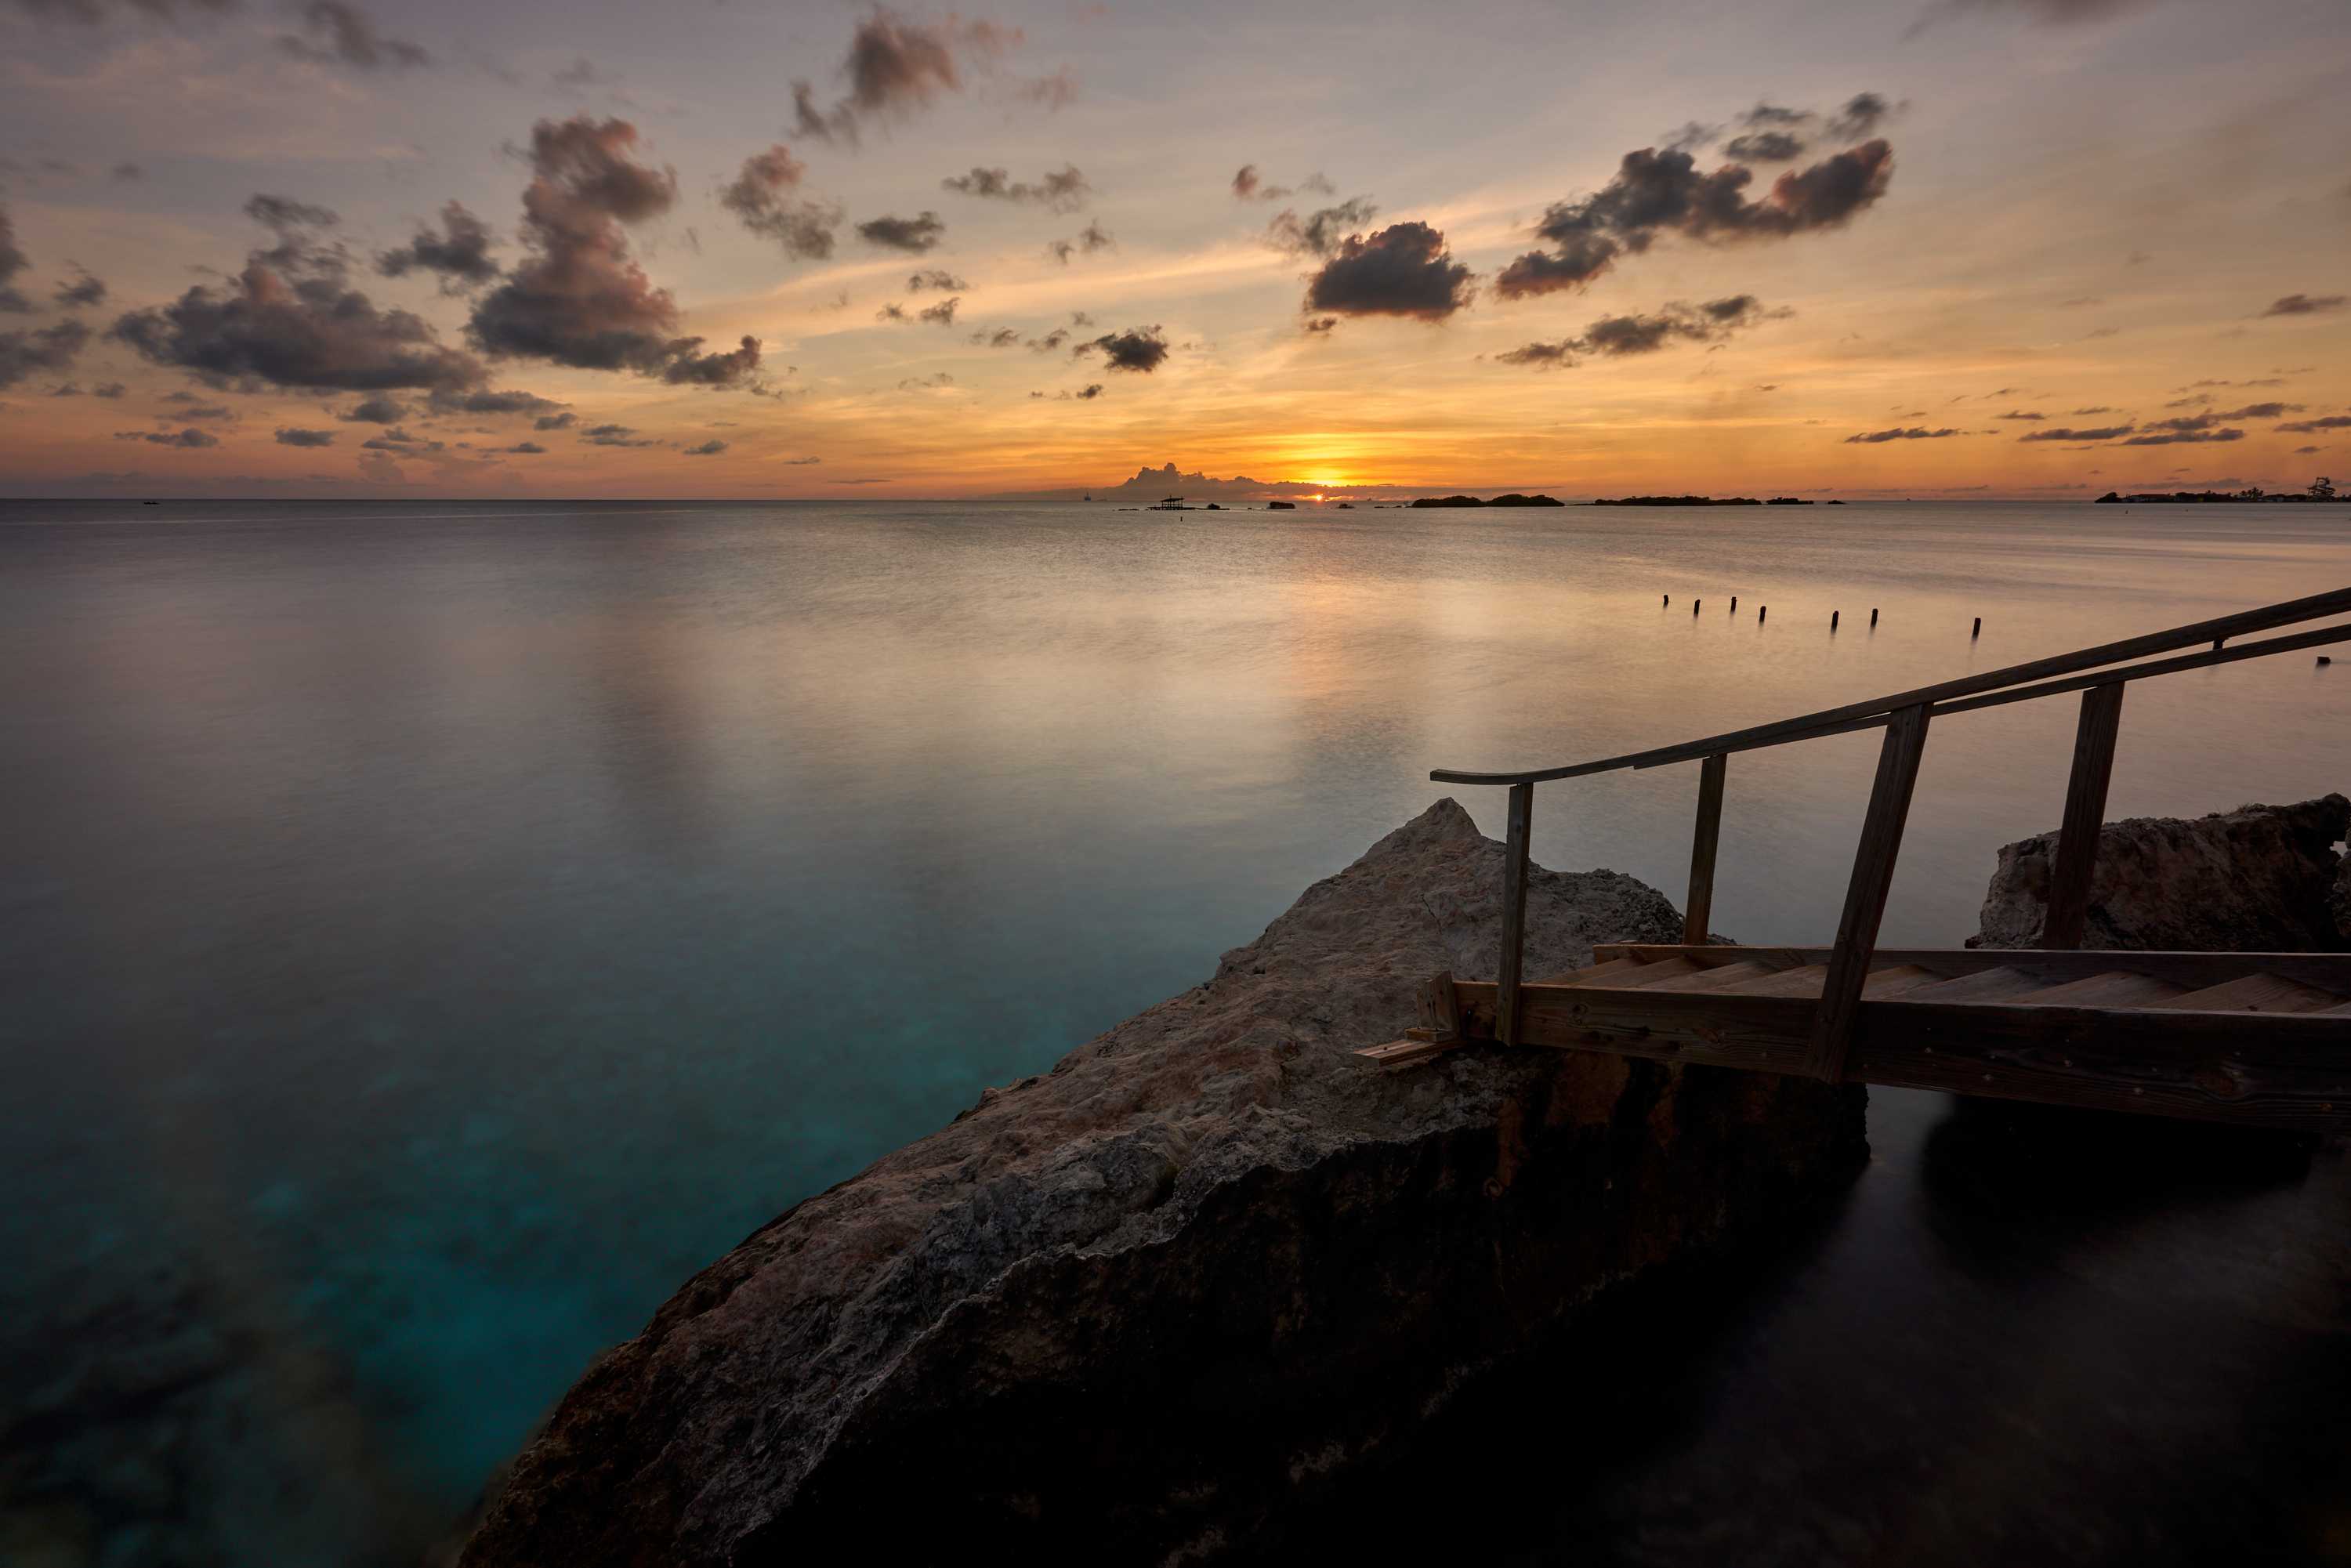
2128,217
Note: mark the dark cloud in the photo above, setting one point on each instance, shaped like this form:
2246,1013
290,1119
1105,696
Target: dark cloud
2261,411
800,461
2197,434
1092,238
612,435
211,411
127,171
2060,432
761,195
1086,394
83,290
109,390
1657,192
525,449
335,32
2299,426
1248,187
2047,12
2307,304
98,13
890,311
2094,407
290,319
375,410
1617,336
710,448
459,255
1403,269
563,420
1061,191
13,260
1766,146
1140,348
1767,114
1862,113
189,440
1318,324
933,278
292,436
578,297
2022,413
896,67
484,402
917,234
920,383
49,350
1002,338
1914,433
1052,340
1320,232
942,314
733,368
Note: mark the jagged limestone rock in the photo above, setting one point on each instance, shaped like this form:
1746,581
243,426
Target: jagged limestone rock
2254,880
1129,1307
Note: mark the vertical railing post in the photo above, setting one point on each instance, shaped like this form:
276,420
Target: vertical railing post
1698,912
1864,897
2085,815
1514,913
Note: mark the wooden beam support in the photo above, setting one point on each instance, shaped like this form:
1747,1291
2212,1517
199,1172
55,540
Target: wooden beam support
1698,912
1514,906
2085,814
1866,895
2329,971
2275,1070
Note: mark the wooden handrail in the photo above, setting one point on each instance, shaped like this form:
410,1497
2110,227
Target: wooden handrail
1869,714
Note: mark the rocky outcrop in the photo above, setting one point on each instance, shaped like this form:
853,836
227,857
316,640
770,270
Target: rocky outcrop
1129,1307
2259,879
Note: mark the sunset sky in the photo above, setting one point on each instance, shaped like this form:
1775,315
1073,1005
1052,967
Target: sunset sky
2025,247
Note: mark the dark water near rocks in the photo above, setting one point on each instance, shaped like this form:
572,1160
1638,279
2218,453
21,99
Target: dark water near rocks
430,932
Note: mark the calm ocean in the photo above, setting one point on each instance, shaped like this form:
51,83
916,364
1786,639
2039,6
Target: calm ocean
430,932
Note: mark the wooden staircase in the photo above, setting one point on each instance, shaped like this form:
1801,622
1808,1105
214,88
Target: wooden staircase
2261,1038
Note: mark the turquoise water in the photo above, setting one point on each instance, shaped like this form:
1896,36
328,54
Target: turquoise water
432,932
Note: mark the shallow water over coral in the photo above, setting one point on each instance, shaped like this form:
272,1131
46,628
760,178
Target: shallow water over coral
431,931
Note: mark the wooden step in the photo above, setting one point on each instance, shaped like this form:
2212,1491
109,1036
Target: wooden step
2115,989
1592,972
1896,980
1804,980
1650,973
2002,982
2254,994
1708,980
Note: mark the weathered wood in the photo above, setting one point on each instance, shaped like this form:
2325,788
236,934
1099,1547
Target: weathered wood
1520,830
2255,994
1866,895
2001,984
2328,971
1707,977
2288,1070
2085,815
1698,912
1808,725
1444,1013
2115,988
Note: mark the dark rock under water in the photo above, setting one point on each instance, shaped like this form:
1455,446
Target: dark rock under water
1149,1302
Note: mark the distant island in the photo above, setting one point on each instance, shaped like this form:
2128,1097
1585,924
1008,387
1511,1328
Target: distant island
2320,490
1512,499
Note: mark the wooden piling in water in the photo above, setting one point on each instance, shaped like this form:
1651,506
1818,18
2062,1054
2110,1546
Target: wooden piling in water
1761,610
1832,618
1872,619
1979,631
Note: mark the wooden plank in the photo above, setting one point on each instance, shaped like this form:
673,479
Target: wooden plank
1514,904
1444,1011
1410,1052
2334,603
1865,900
1698,912
2085,815
2115,988
1898,979
2254,994
1801,981
1663,969
1600,971
2002,983
1719,976
2328,971
2289,1070
2280,1069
